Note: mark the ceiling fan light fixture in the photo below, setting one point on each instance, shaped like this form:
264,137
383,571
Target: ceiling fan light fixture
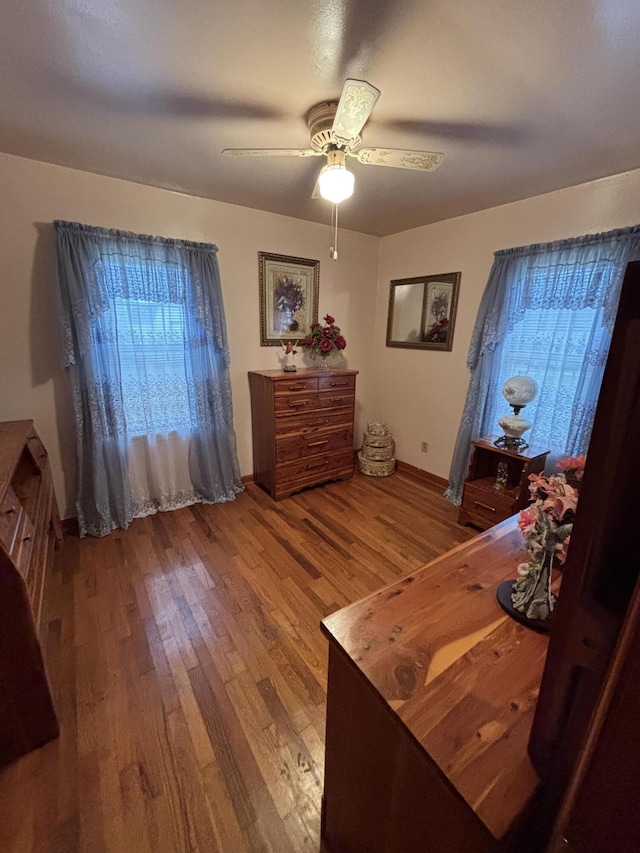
336,183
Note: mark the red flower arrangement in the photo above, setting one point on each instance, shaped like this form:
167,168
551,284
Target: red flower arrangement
323,341
437,332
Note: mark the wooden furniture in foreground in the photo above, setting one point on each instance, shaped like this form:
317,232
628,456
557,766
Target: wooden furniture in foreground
302,426
583,740
482,503
431,696
585,732
29,531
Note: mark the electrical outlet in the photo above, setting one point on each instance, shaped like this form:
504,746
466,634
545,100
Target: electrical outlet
425,446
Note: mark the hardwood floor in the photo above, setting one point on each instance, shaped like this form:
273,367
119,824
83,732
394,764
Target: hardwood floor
189,671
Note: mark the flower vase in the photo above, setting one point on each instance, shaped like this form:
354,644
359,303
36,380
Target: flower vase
546,525
529,599
324,362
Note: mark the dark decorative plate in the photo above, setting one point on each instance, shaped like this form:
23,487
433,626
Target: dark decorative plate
503,594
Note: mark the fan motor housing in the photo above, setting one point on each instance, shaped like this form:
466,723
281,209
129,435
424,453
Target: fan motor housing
320,122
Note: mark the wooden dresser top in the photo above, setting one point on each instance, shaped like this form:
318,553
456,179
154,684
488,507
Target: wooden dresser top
456,670
530,452
304,371
13,437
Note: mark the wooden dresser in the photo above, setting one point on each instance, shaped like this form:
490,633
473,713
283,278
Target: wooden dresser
29,531
302,428
431,695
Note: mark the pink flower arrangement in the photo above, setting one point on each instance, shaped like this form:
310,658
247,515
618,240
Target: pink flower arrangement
546,525
324,340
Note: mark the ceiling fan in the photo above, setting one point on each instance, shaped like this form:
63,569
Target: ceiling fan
335,128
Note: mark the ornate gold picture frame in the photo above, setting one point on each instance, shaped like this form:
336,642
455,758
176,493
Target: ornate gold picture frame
288,297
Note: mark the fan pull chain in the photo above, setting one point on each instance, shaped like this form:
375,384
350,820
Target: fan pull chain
333,251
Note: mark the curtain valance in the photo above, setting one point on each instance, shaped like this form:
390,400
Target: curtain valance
583,272
98,264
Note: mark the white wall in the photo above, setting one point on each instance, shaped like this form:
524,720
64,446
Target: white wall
33,194
420,394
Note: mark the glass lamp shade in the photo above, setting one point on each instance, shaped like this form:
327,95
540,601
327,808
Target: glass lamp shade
519,390
336,183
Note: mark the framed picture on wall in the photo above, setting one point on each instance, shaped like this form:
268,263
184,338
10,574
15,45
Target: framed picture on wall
439,313
288,297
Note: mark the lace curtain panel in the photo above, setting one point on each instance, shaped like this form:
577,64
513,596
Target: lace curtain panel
547,312
144,338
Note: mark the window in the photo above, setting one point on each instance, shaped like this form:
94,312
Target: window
147,343
144,338
150,345
551,346
547,311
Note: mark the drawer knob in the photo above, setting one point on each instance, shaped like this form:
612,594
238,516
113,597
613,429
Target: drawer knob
297,403
318,423
318,465
11,511
297,387
318,443
338,384
27,539
480,505
338,399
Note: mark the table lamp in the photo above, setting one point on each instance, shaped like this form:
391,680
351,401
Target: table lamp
517,391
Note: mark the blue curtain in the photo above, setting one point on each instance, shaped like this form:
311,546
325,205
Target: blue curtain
548,312
144,338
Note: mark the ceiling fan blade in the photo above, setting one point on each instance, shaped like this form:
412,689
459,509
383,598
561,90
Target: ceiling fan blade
316,191
147,100
423,161
357,100
492,133
271,152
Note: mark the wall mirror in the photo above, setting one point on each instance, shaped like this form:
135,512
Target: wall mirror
422,311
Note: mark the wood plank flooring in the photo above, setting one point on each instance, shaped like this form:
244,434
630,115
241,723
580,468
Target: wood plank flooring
189,671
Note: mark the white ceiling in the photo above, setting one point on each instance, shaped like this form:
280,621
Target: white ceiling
522,96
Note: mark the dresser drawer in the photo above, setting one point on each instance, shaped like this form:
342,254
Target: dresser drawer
335,401
337,383
37,450
295,386
299,447
296,402
312,422
486,504
23,545
10,517
319,467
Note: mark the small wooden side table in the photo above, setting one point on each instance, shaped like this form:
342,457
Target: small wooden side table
497,485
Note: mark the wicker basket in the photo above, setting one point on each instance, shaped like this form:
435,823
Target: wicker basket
373,468
377,454
377,428
372,440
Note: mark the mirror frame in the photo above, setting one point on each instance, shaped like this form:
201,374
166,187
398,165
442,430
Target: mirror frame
452,278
